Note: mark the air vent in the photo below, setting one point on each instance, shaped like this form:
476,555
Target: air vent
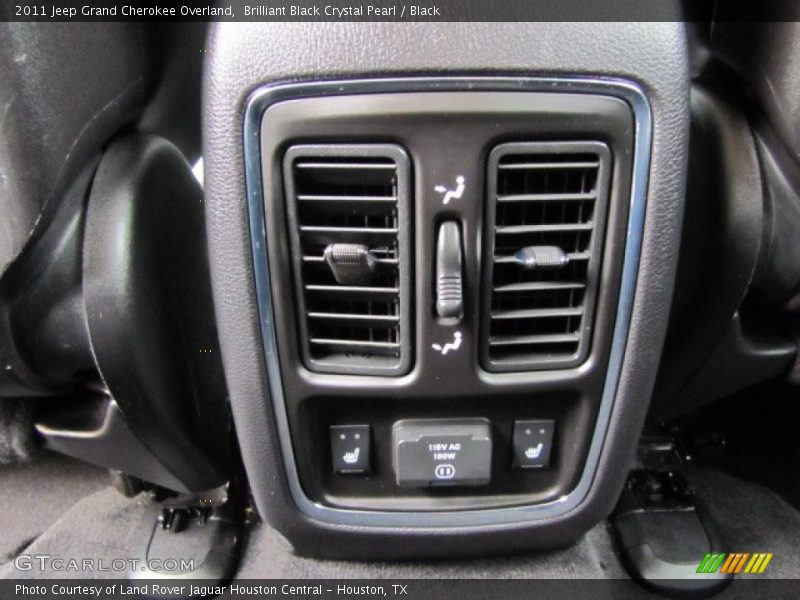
545,222
348,211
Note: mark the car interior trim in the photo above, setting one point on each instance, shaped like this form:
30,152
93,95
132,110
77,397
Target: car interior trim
264,97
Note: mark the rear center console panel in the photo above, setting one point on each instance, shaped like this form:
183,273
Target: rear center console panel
429,125
565,82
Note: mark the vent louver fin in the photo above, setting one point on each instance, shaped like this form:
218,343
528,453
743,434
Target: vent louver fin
546,199
348,218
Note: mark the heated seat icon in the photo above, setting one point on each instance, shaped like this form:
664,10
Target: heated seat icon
351,457
535,451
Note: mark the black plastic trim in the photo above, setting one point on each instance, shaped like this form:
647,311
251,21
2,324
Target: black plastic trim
640,108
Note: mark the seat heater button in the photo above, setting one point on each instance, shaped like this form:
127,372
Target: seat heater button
350,448
442,452
533,442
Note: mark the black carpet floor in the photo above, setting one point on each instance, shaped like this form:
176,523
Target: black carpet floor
268,555
750,518
36,493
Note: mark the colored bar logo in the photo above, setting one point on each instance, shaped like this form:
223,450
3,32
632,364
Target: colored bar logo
722,562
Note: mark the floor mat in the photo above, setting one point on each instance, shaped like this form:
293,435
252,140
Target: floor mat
36,493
